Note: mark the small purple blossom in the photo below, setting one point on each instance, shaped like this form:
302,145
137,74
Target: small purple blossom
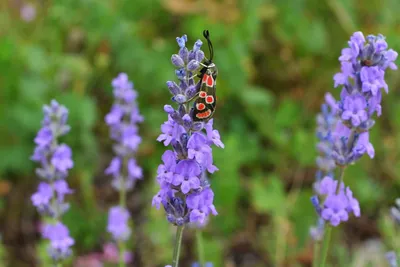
185,192
42,197
186,175
354,109
60,241
338,202
213,135
61,159
170,130
118,223
55,160
44,137
201,205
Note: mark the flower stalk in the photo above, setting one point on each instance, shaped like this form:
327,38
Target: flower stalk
177,247
55,162
122,120
200,247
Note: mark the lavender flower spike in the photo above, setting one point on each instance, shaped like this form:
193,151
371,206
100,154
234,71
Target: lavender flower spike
123,121
345,130
55,160
364,64
185,192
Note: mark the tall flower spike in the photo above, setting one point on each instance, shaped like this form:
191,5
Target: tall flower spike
344,130
122,120
185,192
55,160
364,64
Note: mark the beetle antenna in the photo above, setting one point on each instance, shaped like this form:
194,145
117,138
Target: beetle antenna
206,35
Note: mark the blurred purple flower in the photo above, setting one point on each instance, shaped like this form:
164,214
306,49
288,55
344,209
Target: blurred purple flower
391,258
60,241
61,159
44,137
43,196
56,161
123,119
118,223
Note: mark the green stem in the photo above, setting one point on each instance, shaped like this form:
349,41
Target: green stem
200,247
328,230
177,248
341,177
121,244
325,245
280,240
317,248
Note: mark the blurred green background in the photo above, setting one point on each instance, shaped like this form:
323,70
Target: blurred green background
276,60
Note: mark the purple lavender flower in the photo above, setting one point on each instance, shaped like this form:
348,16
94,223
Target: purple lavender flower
61,159
338,202
185,192
344,130
362,77
60,241
391,258
118,227
122,120
56,161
